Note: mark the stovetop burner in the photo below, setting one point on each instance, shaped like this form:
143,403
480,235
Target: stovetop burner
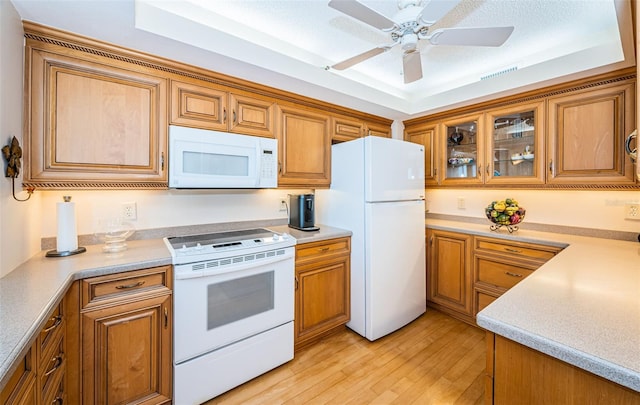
187,249
220,237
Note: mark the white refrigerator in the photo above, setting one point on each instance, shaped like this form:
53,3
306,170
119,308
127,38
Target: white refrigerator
377,192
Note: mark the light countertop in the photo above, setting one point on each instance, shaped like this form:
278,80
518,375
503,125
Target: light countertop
32,290
582,306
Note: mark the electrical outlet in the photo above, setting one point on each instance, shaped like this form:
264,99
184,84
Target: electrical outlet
283,204
129,211
632,211
461,203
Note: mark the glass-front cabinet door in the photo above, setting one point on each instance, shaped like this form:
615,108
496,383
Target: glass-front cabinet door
463,150
514,145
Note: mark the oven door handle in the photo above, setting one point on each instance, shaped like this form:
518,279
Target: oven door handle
182,271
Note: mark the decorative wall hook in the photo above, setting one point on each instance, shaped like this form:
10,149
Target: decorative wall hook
12,154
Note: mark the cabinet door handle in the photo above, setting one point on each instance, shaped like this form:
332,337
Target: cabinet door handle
57,360
551,166
166,317
513,250
57,320
57,401
235,119
162,161
279,167
508,273
127,286
324,249
224,115
488,169
431,241
296,280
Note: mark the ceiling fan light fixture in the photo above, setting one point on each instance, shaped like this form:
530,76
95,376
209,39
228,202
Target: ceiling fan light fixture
409,42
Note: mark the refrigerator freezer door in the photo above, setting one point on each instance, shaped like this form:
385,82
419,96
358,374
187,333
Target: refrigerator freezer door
394,170
395,266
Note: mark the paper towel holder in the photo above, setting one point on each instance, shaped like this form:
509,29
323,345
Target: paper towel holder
56,253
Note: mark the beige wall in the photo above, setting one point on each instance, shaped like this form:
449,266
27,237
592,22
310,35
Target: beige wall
586,209
19,221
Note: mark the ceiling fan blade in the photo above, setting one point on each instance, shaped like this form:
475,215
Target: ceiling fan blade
436,9
359,58
490,36
412,67
363,13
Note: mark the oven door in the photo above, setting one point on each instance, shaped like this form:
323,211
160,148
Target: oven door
214,308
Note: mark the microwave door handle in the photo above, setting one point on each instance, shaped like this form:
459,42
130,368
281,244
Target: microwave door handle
258,163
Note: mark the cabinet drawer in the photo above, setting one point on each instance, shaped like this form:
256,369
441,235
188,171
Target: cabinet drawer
19,388
51,330
524,250
55,395
110,289
323,248
52,367
504,275
483,300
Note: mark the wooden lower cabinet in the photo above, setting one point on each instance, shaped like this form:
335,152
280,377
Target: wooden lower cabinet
465,273
125,351
517,374
449,283
40,375
20,388
120,339
322,298
500,264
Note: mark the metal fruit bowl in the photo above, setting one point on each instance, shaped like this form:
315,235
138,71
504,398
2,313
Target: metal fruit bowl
506,213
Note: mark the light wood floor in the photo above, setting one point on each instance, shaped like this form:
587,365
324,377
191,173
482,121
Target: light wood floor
434,360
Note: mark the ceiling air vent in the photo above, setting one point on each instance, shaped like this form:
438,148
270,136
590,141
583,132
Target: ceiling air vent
499,73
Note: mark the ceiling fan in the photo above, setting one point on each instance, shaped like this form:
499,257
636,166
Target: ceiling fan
410,25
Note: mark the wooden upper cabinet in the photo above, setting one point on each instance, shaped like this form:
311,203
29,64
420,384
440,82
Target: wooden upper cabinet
345,129
375,129
461,143
198,106
425,135
304,148
515,144
205,106
587,130
92,121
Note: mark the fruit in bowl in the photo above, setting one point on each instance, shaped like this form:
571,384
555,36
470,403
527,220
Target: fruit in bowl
505,212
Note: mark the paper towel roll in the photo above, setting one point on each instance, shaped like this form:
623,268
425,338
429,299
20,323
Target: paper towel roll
67,239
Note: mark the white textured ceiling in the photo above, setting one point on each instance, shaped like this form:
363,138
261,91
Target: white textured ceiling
287,44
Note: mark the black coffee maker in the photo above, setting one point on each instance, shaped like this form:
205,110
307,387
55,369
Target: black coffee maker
302,212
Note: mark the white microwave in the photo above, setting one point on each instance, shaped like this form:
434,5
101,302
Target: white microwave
201,158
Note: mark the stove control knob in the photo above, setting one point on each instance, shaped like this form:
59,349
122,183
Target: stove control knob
285,236
183,249
276,237
198,247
